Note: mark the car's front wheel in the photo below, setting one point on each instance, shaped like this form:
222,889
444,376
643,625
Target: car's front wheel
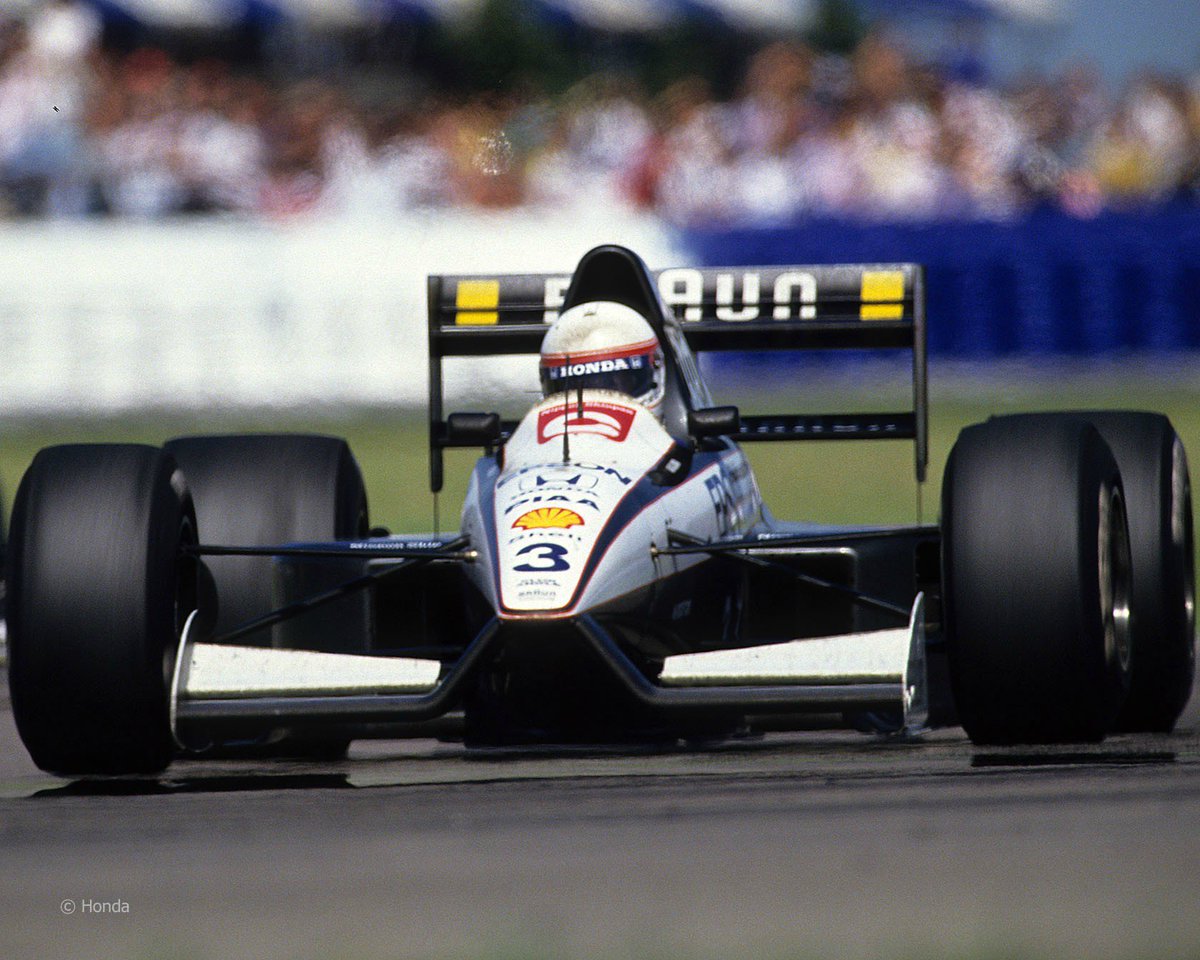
98,591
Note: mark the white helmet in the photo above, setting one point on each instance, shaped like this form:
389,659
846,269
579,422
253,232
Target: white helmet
604,345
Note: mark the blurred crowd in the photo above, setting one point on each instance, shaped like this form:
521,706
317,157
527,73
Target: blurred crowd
874,135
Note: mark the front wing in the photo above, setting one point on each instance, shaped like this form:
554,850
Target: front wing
218,689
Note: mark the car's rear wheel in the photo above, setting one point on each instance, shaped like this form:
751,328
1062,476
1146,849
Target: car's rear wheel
268,489
264,489
98,593
1154,474
1037,581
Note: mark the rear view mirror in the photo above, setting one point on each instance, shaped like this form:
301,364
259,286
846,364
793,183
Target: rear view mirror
473,429
714,422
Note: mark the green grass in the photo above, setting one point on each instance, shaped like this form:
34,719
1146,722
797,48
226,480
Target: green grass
867,482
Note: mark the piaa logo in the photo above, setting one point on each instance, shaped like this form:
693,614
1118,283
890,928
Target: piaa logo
604,419
544,518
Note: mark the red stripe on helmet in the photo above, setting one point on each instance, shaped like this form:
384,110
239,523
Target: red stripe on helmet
558,359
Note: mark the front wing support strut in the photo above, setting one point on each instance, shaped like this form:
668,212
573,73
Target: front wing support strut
782,698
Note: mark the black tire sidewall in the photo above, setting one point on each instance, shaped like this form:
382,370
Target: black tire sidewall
1144,445
1020,515
98,590
265,489
262,489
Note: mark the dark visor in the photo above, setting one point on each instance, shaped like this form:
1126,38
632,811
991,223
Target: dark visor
633,376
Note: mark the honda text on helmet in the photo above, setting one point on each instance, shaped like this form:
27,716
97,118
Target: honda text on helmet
606,346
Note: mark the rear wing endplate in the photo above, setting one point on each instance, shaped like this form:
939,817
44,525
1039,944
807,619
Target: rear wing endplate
853,306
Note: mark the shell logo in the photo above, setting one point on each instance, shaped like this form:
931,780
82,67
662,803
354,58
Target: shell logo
548,517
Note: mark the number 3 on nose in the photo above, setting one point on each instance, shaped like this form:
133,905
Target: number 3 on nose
549,557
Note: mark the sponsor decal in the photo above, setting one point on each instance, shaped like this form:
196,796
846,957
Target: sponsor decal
555,294
548,517
609,420
610,472
724,504
543,558
530,582
538,588
537,594
735,296
882,295
526,476
523,536
390,544
477,303
416,544
571,479
553,498
614,365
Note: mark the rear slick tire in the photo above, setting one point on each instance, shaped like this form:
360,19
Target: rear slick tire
1036,580
98,594
1158,498
266,489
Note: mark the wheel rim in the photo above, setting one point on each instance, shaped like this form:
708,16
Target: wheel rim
1114,566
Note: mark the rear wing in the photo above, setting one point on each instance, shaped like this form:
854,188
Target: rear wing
858,306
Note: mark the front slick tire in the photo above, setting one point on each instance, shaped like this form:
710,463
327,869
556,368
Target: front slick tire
97,595
1036,574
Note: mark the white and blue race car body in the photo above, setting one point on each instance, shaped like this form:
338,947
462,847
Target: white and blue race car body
615,571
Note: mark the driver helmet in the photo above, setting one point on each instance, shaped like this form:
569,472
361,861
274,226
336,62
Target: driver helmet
607,346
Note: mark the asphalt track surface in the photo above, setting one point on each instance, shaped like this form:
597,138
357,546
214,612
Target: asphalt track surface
818,844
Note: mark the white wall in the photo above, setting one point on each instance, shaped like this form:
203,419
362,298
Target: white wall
111,316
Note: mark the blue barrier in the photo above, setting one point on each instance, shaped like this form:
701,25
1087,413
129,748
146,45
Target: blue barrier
1048,284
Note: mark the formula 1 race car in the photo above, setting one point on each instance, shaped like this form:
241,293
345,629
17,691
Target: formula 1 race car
616,576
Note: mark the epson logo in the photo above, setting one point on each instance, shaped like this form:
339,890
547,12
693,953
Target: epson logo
594,366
